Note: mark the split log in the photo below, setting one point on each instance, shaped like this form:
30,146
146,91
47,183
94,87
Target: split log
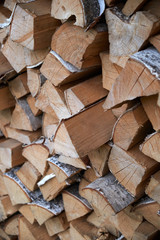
85,140
107,196
76,162
65,235
99,159
138,29
143,74
118,111
83,183
131,168
150,147
32,102
6,208
25,137
153,189
155,41
4,236
6,71
27,213
11,153
57,224
86,54
131,7
152,110
149,209
110,71
18,86
3,190
59,72
86,13
90,175
11,225
146,231
61,170
75,206
23,118
38,31
6,98
37,154
84,94
29,176
50,124
42,210
131,128
5,118
32,231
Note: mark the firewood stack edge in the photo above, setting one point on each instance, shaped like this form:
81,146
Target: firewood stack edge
80,120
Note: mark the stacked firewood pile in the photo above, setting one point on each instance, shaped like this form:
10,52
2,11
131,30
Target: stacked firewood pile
79,119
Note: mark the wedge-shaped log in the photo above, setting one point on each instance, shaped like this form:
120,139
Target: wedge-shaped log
6,208
37,153
139,78
25,210
132,168
11,225
75,206
76,162
65,235
32,104
40,26
153,187
131,7
42,210
138,28
50,124
3,190
86,12
6,98
85,140
131,127
5,118
155,40
85,55
6,71
11,153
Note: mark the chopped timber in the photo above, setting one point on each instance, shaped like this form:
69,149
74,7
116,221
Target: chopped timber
18,86
50,124
152,110
131,7
99,159
131,127
5,118
84,94
153,187
96,131
138,28
6,208
29,176
65,235
110,71
3,190
11,153
61,170
11,225
150,147
32,102
81,54
75,206
32,26
86,12
76,162
6,71
90,175
27,213
4,236
140,77
37,154
43,210
118,111
57,224
23,118
6,98
155,41
131,168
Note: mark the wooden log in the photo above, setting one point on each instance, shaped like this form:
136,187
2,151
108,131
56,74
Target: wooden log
84,94
34,80
5,118
131,7
143,79
40,26
31,231
65,235
90,175
83,183
61,170
37,154
3,190
18,86
4,236
142,25
23,118
78,145
75,206
149,209
42,210
25,137
59,72
126,136
107,196
152,110
57,224
6,71
6,208
31,102
99,159
131,168
152,189
110,71
86,13
27,213
29,176
76,162
146,231
50,124
155,41
118,111
6,98
11,153
11,225
86,55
